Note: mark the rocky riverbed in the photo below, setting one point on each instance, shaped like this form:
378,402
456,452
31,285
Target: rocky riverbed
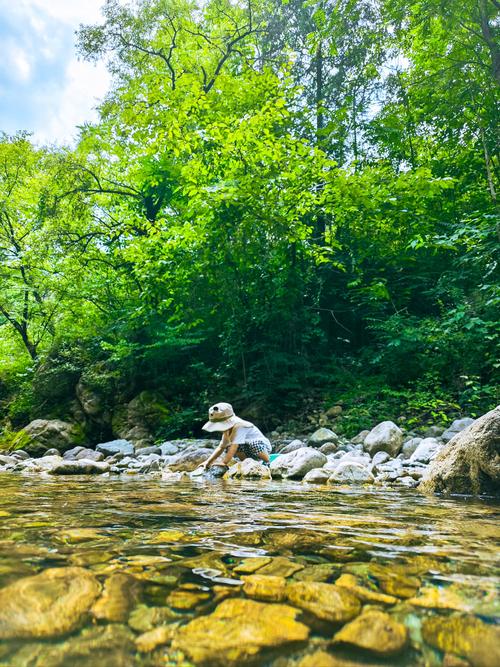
383,456
132,571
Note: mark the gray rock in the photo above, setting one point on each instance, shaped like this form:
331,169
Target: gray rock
322,436
90,401
116,447
52,452
433,432
6,460
317,476
391,470
351,472
379,458
296,464
408,482
20,454
410,446
144,451
415,471
385,437
168,449
328,448
189,460
470,462
456,427
360,438
81,467
427,449
71,453
292,447
90,454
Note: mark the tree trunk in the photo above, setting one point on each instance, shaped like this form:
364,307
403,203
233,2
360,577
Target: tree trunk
490,39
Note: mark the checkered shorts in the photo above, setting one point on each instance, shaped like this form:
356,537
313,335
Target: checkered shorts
253,449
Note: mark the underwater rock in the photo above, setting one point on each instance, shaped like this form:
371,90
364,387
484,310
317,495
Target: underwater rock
385,437
119,596
79,535
364,593
48,604
260,587
111,646
470,462
296,464
144,618
281,567
157,637
374,631
251,565
319,572
325,601
185,600
392,579
238,631
465,636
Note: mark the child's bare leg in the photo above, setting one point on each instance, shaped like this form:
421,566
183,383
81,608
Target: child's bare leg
263,456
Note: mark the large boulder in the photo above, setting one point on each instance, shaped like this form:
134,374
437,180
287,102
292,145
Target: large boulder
41,435
456,427
139,419
296,464
385,437
470,462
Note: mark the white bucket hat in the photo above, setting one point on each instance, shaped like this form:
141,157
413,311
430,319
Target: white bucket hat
221,417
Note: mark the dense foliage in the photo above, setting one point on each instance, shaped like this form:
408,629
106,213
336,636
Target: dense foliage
281,199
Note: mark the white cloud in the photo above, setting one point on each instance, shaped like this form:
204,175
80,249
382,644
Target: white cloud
44,88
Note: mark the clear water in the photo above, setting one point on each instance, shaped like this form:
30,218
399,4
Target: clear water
175,538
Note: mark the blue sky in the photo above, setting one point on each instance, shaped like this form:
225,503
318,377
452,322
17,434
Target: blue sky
44,88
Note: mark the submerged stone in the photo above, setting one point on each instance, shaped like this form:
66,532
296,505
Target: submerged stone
465,636
251,565
48,604
186,600
281,567
374,631
238,631
433,597
260,587
157,637
394,581
144,618
325,601
364,592
119,596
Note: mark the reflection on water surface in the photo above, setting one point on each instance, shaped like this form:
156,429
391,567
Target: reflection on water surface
144,572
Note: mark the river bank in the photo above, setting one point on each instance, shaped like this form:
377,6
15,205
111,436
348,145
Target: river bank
465,455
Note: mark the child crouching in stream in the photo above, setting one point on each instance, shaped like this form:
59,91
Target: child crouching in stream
239,437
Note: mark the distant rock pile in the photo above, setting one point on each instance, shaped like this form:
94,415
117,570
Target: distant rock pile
464,458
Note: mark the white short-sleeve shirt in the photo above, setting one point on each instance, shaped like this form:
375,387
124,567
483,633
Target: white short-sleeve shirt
244,434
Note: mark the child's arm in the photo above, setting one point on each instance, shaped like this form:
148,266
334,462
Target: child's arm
216,453
231,451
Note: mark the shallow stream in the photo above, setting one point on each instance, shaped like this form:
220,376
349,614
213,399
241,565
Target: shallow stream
134,555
